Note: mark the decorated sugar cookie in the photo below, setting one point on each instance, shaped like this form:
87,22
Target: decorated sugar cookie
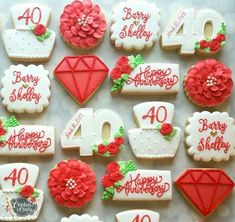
210,136
25,88
20,201
94,137
201,31
72,183
205,189
123,181
82,24
135,25
82,218
132,76
157,137
138,216
81,75
25,140
31,40
208,83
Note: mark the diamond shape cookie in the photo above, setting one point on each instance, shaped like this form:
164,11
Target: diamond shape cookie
81,75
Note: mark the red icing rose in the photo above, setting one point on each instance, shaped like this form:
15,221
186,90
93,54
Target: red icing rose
27,191
126,69
33,199
72,183
2,131
39,29
203,44
116,176
123,60
116,73
113,148
102,148
209,83
119,140
166,129
82,24
220,37
113,167
214,45
107,181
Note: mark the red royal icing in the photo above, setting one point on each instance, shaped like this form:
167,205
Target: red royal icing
39,29
205,188
72,183
81,75
27,191
166,129
82,24
209,82
153,114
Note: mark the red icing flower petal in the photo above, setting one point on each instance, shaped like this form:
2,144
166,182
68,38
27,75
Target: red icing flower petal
116,73
123,60
113,167
166,129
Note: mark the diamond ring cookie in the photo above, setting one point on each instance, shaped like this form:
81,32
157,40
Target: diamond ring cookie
124,182
82,218
99,132
131,75
208,83
135,25
156,137
72,183
25,89
205,189
201,31
210,136
31,40
138,216
20,201
25,140
82,24
81,75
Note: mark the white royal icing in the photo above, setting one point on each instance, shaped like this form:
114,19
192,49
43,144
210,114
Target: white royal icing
135,24
26,15
210,136
82,218
147,141
138,216
142,185
21,43
25,88
91,124
152,78
14,207
27,140
193,22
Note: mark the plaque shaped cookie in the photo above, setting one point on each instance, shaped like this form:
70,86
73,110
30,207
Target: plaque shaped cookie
132,76
201,31
20,201
100,132
138,216
82,218
210,136
25,89
135,25
25,140
205,189
31,40
156,137
81,75
124,182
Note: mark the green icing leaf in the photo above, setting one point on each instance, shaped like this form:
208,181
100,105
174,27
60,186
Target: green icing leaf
117,184
119,83
36,194
126,167
223,29
122,147
122,131
207,50
170,137
124,77
17,191
12,122
107,154
108,193
40,38
223,43
95,148
197,45
135,61
105,143
2,139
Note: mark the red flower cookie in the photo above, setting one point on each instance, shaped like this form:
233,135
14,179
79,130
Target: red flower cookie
82,24
208,83
72,183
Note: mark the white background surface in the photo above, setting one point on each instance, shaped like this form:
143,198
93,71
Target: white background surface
62,107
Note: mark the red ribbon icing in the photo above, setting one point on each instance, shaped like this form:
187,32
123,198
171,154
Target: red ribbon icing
209,83
82,24
72,183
